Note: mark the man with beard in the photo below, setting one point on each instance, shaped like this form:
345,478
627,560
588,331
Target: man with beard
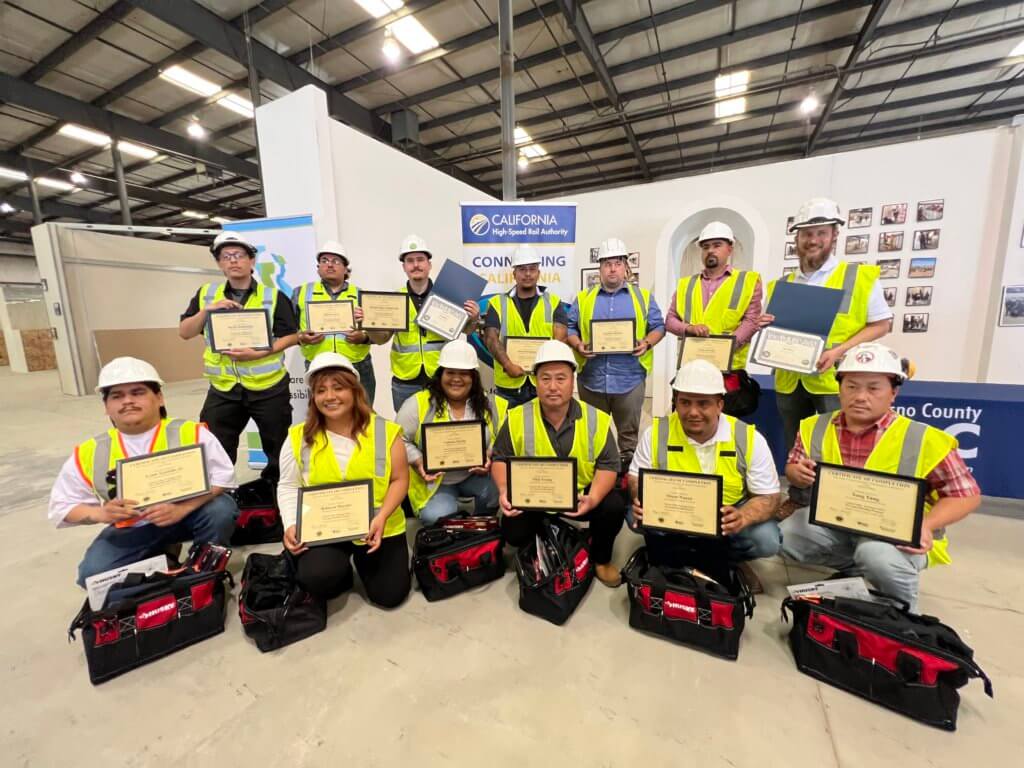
863,316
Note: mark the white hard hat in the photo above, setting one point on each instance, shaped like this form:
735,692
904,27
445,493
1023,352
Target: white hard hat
815,212
126,370
329,360
716,230
612,248
458,355
699,377
523,255
335,248
872,357
414,244
231,238
554,351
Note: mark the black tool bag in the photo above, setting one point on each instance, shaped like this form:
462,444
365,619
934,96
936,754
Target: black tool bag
457,553
552,582
275,611
704,606
911,664
742,394
259,521
146,618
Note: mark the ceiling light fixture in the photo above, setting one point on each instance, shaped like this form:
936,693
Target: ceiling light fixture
391,50
413,35
10,173
221,219
135,150
73,131
237,104
63,186
6,208
527,146
195,130
77,178
731,107
809,104
189,81
194,214
1018,49
524,162
378,8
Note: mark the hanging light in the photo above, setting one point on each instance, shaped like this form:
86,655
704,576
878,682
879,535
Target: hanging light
810,103
392,51
77,178
524,162
195,130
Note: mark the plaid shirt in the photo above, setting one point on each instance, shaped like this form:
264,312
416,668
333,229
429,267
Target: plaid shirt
950,478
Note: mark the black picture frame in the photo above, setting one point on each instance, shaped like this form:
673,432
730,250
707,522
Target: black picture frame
213,336
333,331
630,320
402,328
686,339
510,468
717,479
314,488
439,426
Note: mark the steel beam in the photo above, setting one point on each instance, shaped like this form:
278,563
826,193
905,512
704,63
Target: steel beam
82,37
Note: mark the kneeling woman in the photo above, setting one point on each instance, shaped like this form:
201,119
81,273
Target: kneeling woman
344,440
453,394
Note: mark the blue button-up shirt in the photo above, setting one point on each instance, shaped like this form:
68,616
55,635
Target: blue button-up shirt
614,374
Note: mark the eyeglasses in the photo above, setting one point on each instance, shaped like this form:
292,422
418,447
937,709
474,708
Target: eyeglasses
333,261
233,256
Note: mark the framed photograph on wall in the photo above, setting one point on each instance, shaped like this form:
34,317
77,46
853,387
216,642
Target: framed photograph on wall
893,213
919,296
634,260
926,239
593,255
856,244
589,277
922,267
890,268
634,278
916,322
790,250
858,218
889,294
890,241
1011,312
930,210
789,225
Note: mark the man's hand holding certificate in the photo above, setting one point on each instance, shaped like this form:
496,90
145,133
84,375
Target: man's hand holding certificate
795,326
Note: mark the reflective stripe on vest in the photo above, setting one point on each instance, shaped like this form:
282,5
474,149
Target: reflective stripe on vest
529,439
522,327
719,317
739,431
223,372
586,301
332,342
103,450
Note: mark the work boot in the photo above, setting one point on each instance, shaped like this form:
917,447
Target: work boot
753,582
608,575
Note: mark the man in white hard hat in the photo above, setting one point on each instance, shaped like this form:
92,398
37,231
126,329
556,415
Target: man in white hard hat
414,352
332,266
528,309
866,432
719,300
556,424
863,316
698,437
616,382
244,383
85,493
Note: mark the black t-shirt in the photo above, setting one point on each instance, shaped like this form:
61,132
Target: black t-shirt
562,441
525,309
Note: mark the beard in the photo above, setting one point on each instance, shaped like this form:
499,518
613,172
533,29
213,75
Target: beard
711,262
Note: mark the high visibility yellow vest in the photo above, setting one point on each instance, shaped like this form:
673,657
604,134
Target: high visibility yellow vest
541,325
421,492
307,293
910,448
530,437
371,460
724,311
95,457
222,371
585,301
671,450
415,348
855,281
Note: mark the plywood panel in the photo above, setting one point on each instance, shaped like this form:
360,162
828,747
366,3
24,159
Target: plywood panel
174,358
39,352
4,360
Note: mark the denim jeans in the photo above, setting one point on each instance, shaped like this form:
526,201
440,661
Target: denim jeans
753,542
794,408
515,397
445,501
402,391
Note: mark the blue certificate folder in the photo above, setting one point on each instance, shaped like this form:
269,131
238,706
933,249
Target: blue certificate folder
458,284
804,308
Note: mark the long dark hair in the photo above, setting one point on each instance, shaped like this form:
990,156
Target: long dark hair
477,397
316,424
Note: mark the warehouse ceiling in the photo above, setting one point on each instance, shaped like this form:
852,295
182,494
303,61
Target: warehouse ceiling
608,92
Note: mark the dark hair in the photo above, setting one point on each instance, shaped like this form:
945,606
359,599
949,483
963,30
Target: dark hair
894,380
316,424
477,397
153,387
676,393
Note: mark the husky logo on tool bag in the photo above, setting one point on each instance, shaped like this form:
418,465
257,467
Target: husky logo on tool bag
673,605
156,612
581,564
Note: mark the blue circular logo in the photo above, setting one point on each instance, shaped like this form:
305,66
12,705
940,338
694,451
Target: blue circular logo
479,224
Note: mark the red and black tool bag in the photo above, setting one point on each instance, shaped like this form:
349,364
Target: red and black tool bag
259,521
678,604
447,559
555,595
911,664
275,611
150,618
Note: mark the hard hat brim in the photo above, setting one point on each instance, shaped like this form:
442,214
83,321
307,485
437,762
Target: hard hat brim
816,222
424,251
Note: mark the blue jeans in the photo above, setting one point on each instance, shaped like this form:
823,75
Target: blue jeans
367,378
515,397
753,542
402,391
445,501
213,523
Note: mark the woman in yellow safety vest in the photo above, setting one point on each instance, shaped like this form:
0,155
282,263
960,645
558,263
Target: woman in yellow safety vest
343,440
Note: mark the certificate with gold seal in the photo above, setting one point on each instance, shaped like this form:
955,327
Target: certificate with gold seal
336,512
330,316
868,503
542,484
681,502
716,349
165,476
238,329
384,311
612,337
790,350
451,445
522,350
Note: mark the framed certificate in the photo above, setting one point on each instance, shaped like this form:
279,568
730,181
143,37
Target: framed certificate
330,316
451,445
337,512
383,311
612,337
717,350
441,316
681,502
523,350
873,504
789,350
156,478
238,329
542,484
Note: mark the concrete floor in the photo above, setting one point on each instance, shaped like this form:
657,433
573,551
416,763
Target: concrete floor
467,681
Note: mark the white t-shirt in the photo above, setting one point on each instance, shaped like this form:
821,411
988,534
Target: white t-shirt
291,479
70,489
877,308
761,478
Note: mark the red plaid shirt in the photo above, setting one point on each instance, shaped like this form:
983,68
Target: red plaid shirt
950,478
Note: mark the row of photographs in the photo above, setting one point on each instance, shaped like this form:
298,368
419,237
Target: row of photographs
920,267
891,214
634,258
924,240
